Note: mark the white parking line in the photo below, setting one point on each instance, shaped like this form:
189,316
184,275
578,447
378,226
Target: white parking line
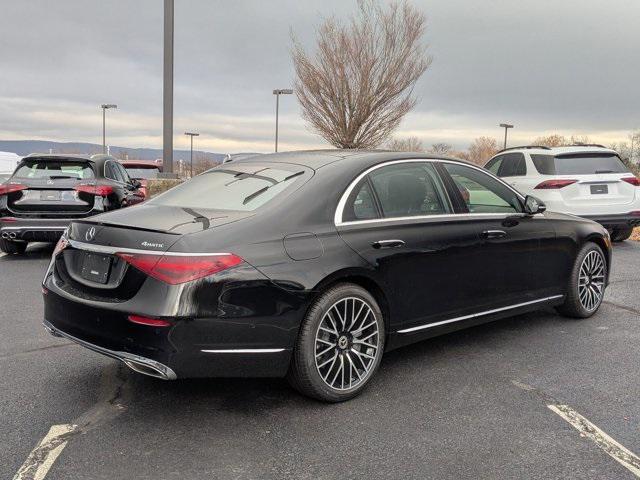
42,457
588,430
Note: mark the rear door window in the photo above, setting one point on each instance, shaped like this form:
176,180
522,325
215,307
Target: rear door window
244,187
361,204
409,189
54,169
513,165
494,164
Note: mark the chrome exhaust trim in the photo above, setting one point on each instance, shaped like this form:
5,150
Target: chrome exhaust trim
139,364
5,235
12,235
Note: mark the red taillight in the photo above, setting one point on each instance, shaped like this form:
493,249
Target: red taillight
99,190
635,213
151,322
61,245
176,269
553,184
635,181
11,187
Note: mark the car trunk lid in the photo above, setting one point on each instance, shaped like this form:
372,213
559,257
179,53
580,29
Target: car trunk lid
50,185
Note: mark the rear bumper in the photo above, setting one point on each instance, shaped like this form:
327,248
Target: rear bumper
33,230
135,362
615,220
210,346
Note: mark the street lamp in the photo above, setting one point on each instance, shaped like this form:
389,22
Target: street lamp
506,127
104,107
167,91
277,93
192,134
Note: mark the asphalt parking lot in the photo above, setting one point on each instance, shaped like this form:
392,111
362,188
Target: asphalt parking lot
473,404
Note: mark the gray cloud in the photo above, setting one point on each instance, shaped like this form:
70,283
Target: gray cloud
545,65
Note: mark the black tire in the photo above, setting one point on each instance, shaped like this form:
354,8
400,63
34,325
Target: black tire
305,372
621,234
574,306
9,247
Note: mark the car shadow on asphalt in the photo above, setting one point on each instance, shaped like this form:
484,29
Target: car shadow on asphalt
251,395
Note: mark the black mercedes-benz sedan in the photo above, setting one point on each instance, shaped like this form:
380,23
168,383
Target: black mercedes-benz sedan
310,265
47,191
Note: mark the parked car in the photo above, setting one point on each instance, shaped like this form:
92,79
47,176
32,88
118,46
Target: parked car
312,264
142,171
590,181
46,192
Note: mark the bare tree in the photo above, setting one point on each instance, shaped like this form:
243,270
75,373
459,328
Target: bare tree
409,144
554,140
441,148
359,84
482,149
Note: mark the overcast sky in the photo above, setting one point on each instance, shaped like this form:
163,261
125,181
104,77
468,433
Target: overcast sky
566,66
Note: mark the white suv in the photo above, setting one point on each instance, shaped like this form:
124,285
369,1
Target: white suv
585,180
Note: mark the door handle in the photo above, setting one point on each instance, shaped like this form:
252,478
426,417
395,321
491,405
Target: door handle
388,244
490,234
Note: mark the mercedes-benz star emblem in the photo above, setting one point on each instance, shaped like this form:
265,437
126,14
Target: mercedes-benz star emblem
90,235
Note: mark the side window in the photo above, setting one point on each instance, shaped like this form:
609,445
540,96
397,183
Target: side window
409,189
513,165
360,205
494,164
110,172
123,173
481,192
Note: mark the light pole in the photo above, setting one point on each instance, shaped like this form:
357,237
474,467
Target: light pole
192,134
105,107
277,93
167,92
506,127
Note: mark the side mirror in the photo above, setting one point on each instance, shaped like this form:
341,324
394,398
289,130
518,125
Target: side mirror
135,184
532,205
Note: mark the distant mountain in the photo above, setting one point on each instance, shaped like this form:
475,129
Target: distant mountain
25,147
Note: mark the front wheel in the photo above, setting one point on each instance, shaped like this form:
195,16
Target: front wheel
585,290
340,345
621,234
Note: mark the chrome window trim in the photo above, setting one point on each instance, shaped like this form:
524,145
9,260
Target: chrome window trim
112,250
337,218
479,314
246,350
29,227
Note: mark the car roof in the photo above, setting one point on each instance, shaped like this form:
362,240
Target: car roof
322,158
99,158
141,163
566,149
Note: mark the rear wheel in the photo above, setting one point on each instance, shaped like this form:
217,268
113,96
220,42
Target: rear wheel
585,290
340,345
10,247
621,234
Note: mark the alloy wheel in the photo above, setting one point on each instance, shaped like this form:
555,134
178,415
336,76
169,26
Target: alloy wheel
347,343
591,280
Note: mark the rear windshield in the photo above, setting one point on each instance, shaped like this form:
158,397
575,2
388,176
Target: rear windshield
143,172
244,188
53,169
579,164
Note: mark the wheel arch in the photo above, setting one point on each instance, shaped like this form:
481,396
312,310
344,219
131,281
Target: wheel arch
362,280
602,243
